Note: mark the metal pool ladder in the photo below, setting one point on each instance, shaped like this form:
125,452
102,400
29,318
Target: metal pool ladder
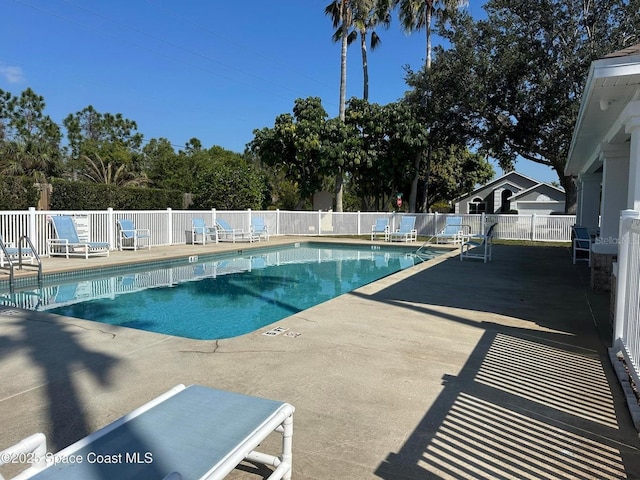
11,262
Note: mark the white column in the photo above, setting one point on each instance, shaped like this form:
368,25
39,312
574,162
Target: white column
632,126
588,211
614,193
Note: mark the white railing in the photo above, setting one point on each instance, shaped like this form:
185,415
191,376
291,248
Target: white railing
626,329
169,227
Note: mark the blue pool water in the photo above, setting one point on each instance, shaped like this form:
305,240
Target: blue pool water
224,296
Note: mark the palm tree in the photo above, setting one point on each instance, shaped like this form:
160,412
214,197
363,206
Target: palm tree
365,19
418,14
98,172
342,19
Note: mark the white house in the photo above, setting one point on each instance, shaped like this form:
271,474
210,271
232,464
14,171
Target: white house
605,153
513,191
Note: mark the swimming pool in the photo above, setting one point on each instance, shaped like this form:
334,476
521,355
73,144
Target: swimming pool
220,296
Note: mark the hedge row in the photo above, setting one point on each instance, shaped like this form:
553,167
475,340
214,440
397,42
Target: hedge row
18,193
97,196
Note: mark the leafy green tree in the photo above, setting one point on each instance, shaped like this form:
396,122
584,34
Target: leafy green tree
29,139
528,62
229,185
111,137
294,146
456,171
160,161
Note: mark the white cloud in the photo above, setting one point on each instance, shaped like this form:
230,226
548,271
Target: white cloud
11,74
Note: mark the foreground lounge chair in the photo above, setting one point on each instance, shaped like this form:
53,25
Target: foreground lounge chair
191,433
381,227
259,228
200,228
581,243
453,231
68,243
406,231
226,233
478,246
130,237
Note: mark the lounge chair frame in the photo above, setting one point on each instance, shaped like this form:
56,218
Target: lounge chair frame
259,228
454,231
406,232
478,246
188,432
200,228
581,243
380,228
68,243
130,237
228,234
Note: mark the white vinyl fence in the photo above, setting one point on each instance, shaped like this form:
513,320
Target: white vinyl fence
626,330
169,227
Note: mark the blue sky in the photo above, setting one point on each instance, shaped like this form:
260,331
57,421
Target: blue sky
213,70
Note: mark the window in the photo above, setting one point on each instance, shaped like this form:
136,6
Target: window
477,206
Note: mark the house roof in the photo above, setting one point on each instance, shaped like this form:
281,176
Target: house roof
612,83
497,182
533,188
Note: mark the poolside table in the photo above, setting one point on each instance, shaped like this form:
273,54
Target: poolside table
190,433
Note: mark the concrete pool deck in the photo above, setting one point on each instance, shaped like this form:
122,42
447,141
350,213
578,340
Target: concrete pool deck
447,370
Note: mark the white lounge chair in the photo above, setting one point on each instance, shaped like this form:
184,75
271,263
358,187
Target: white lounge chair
381,227
130,237
194,432
226,233
200,228
406,232
68,243
259,228
453,231
478,246
581,243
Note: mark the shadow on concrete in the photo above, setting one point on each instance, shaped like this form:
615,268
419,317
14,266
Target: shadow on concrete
528,403
54,348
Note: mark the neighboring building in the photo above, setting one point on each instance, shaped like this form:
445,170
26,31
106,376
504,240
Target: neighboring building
513,191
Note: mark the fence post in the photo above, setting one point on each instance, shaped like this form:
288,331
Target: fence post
533,227
435,223
169,227
624,245
111,234
483,221
319,222
31,232
277,221
358,221
249,224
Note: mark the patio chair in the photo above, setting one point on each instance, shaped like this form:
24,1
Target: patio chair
130,237
200,228
406,231
581,243
478,246
9,252
259,228
226,233
454,231
188,432
381,227
69,244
